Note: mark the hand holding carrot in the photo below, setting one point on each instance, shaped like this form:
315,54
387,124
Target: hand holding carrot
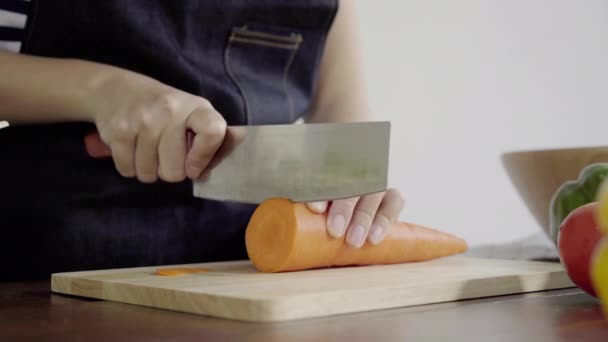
284,236
361,218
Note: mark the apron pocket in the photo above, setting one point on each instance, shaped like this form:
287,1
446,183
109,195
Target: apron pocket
258,59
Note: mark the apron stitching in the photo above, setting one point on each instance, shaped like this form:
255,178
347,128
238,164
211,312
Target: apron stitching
284,78
236,82
244,31
287,46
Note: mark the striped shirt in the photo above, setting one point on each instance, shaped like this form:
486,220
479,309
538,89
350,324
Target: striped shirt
13,17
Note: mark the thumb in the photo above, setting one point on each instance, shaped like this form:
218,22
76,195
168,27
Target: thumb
317,207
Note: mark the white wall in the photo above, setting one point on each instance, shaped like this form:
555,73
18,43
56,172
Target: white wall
463,81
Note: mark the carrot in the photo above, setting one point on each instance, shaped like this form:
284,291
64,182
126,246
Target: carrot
179,271
286,236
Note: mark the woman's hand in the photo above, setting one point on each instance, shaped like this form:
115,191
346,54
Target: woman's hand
361,218
144,123
341,96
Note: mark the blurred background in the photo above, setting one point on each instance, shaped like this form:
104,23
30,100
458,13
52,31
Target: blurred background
465,81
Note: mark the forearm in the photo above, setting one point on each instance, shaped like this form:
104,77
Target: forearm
341,94
45,90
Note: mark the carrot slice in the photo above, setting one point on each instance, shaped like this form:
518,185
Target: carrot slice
179,271
286,236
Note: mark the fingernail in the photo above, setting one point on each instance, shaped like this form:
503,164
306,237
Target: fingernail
337,225
318,207
355,236
376,234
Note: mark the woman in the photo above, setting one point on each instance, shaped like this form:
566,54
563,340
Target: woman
141,73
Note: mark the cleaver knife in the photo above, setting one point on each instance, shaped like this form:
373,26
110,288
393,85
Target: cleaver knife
301,162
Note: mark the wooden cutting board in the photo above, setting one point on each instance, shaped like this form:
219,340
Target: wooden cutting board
235,290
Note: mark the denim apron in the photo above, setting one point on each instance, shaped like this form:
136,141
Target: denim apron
60,210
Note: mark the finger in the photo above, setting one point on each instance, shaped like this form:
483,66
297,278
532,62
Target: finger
361,221
146,151
317,207
123,152
388,211
210,129
121,140
339,215
172,150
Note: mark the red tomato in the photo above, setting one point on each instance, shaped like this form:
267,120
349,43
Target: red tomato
578,236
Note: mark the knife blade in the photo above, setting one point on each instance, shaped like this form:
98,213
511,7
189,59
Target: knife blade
301,162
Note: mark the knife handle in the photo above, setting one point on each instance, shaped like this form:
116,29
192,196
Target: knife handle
96,148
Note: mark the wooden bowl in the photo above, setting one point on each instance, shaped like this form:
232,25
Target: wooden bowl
537,174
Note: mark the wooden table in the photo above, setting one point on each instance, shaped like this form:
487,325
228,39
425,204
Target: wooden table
28,311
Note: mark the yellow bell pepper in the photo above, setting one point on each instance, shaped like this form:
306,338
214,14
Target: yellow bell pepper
599,263
602,213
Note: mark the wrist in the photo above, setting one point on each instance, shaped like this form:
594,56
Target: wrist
85,88
105,88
